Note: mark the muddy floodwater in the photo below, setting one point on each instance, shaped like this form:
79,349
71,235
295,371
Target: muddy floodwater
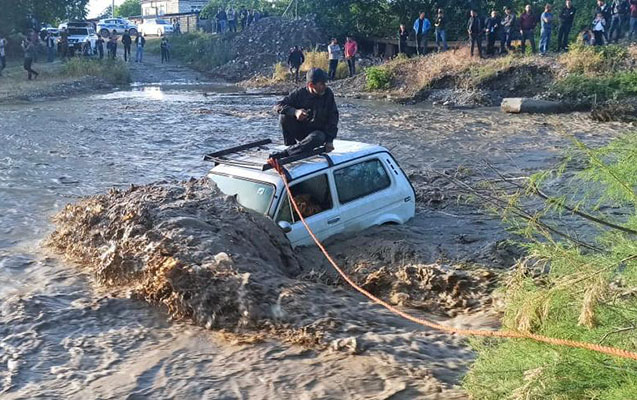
64,336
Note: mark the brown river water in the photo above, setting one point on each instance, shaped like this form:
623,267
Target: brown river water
62,335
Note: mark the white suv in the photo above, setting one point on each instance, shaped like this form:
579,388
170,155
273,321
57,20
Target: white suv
120,25
356,186
79,35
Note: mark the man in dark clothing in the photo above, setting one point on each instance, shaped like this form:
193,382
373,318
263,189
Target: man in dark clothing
126,41
403,36
295,59
509,25
474,28
99,43
566,23
441,30
528,22
243,17
618,10
494,24
607,13
308,116
633,19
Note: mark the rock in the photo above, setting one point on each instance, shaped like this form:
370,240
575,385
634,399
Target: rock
516,105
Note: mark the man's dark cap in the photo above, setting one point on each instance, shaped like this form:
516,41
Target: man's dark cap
316,75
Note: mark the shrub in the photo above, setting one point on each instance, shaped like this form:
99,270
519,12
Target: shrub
377,78
319,59
592,60
114,71
600,88
281,72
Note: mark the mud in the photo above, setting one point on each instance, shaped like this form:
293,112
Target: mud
67,333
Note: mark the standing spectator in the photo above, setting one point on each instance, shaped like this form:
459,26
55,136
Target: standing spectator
243,17
633,18
607,13
127,41
232,20
3,54
64,43
509,25
99,43
222,21
421,27
493,33
165,50
440,31
599,27
295,60
257,16
624,15
50,47
403,36
351,49
527,28
29,53
334,54
113,43
618,8
474,28
177,29
250,17
547,28
140,42
566,23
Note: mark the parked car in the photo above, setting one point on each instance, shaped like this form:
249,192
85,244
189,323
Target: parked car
356,186
120,25
76,24
155,26
79,35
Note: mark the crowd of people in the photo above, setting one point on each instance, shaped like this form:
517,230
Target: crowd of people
335,53
610,22
229,20
61,46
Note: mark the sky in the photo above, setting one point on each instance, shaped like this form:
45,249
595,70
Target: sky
95,7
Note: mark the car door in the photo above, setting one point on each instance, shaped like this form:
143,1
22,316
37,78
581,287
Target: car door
367,194
315,197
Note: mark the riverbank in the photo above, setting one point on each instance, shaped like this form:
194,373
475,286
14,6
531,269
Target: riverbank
61,79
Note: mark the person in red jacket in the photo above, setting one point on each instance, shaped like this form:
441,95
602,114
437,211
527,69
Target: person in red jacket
351,48
528,22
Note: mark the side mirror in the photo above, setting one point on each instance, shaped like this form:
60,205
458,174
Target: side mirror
285,226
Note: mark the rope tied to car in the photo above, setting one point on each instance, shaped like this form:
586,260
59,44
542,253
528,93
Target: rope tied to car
613,351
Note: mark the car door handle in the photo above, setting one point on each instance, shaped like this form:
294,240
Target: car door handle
333,220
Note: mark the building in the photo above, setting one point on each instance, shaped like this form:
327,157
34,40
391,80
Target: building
162,7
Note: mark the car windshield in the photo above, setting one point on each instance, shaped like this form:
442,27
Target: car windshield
256,196
162,22
78,31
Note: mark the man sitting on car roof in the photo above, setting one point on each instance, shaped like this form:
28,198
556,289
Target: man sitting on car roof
308,116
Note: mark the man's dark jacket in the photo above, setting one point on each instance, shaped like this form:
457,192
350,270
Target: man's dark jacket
296,58
323,114
567,16
474,26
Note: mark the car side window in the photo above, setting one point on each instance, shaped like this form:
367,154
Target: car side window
313,196
359,180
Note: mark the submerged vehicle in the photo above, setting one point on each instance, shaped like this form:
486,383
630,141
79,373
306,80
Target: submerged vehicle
352,188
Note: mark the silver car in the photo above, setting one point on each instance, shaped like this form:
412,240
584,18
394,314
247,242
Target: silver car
156,26
120,25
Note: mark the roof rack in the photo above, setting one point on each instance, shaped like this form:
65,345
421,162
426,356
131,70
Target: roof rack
220,157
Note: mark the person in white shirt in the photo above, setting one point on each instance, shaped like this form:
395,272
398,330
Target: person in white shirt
334,54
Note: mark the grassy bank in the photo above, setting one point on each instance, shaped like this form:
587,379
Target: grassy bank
582,287
313,59
60,79
584,74
112,71
200,50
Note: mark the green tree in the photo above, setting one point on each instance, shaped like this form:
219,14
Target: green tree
17,16
129,8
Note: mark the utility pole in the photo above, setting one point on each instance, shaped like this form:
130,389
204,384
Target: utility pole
113,9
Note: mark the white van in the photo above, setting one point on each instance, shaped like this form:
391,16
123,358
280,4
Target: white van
356,186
